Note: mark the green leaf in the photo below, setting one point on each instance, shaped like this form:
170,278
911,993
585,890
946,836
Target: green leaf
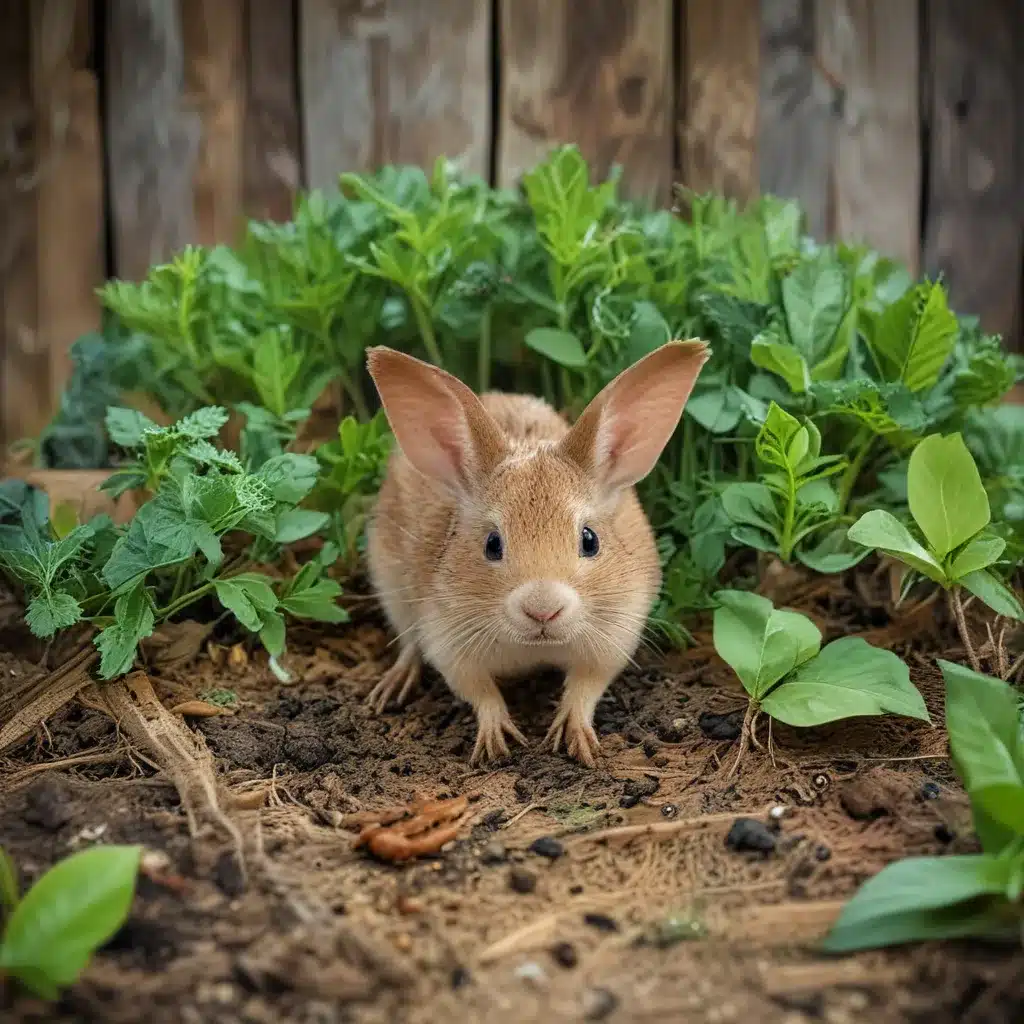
117,644
986,587
560,347
126,427
272,633
751,504
848,678
814,296
203,423
298,523
249,596
986,745
980,553
158,536
834,553
919,898
762,644
717,410
882,530
782,360
947,498
914,336
290,477
48,613
317,601
9,894
67,915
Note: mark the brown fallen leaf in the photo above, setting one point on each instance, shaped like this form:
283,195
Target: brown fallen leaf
428,826
199,709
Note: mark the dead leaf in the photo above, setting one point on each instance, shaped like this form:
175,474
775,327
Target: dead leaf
199,709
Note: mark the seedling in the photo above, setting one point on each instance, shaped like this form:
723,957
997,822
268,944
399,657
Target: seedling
51,933
779,659
957,896
950,508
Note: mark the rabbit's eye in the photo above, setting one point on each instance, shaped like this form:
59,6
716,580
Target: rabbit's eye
589,544
494,550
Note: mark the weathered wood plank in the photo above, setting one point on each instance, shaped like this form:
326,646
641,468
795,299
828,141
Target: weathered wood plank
386,81
795,130
975,203
272,170
24,363
869,52
69,182
597,74
215,87
719,97
152,143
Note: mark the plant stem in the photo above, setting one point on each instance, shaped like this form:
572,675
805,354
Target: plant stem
355,393
184,601
786,541
961,624
863,443
484,351
426,329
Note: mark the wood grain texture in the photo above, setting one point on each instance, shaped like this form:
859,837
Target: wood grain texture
718,106
386,81
795,131
69,182
272,171
975,203
152,142
869,53
598,74
215,88
24,363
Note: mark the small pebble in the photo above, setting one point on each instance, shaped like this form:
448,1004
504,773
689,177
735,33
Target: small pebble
944,833
930,791
599,1004
669,810
547,846
822,852
532,972
565,954
720,727
778,812
650,746
750,834
460,977
629,801
522,881
403,942
492,819
602,922
494,853
575,890
660,761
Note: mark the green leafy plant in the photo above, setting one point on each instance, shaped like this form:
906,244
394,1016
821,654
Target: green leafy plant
950,508
51,933
967,895
778,658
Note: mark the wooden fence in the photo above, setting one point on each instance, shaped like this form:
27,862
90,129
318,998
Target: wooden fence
130,127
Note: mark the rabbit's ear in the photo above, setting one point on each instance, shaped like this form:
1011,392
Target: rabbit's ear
440,425
624,430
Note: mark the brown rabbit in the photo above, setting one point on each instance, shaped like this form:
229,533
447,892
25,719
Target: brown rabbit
504,541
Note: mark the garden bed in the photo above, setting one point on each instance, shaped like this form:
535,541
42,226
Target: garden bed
622,926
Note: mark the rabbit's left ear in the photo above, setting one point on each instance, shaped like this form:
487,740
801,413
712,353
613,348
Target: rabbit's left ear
624,430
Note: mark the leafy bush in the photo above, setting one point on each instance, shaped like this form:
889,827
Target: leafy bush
968,895
51,933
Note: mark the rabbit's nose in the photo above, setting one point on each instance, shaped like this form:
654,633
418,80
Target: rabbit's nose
542,615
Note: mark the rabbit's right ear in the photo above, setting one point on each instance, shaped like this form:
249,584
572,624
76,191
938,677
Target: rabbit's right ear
440,425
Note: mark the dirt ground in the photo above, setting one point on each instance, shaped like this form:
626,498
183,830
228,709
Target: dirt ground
611,922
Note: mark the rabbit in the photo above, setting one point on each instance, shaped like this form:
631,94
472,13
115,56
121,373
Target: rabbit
503,540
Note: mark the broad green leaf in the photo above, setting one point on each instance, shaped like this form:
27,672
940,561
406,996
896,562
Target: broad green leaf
47,614
783,360
126,427
774,438
9,892
848,678
979,553
833,553
762,644
290,477
994,593
272,633
203,423
914,336
249,596
559,346
317,601
920,898
947,498
158,536
814,296
298,523
133,621
985,743
717,411
67,915
882,530
64,519
751,504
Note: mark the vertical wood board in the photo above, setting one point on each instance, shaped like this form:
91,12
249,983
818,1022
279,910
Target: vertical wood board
598,74
394,81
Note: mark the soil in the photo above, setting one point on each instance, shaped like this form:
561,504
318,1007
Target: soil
542,908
